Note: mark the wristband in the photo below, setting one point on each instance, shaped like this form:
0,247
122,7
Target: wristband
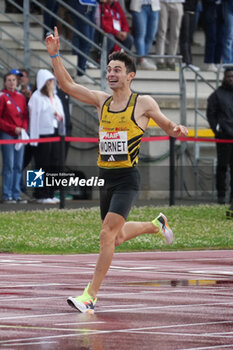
58,54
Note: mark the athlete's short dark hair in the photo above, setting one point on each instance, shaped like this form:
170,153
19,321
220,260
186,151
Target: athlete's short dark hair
123,57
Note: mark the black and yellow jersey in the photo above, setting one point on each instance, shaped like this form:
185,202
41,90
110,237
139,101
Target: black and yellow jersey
119,136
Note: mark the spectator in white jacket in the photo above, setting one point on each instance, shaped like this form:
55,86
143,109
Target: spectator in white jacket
46,119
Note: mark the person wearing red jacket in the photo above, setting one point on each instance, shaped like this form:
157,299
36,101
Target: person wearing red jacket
13,123
114,22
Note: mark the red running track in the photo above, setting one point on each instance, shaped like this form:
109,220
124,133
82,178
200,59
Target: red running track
151,300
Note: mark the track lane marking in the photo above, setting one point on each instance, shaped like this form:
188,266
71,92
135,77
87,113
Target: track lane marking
35,343
78,323
211,347
47,328
99,311
204,335
114,331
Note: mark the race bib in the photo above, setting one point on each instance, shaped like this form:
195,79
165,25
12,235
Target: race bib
113,146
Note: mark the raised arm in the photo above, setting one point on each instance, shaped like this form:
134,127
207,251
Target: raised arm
152,110
67,84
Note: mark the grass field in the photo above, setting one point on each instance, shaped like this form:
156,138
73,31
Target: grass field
77,231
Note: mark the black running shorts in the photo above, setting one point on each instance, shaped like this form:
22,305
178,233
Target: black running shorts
120,190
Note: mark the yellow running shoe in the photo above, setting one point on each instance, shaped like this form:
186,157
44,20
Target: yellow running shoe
161,222
83,303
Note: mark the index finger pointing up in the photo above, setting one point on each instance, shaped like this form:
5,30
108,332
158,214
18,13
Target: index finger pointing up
55,32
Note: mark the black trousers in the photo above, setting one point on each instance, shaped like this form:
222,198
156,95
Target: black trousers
47,157
213,27
186,36
224,159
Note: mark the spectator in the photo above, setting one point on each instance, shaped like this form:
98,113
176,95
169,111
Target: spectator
114,22
65,100
220,117
170,20
227,53
198,14
186,33
213,27
13,123
49,20
10,8
145,25
46,120
25,87
18,76
88,31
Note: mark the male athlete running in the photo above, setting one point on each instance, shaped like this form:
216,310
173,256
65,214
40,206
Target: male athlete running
123,118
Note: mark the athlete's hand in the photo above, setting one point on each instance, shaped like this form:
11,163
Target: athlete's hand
180,131
53,43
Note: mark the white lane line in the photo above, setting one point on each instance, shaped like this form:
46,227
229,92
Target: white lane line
16,341
114,267
222,333
44,270
34,343
130,305
33,316
182,325
136,293
99,311
78,323
158,267
21,261
67,267
212,272
9,299
171,260
211,347
106,295
197,252
39,274
215,255
164,307
112,331
40,328
16,285
204,335
166,272
163,270
164,288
